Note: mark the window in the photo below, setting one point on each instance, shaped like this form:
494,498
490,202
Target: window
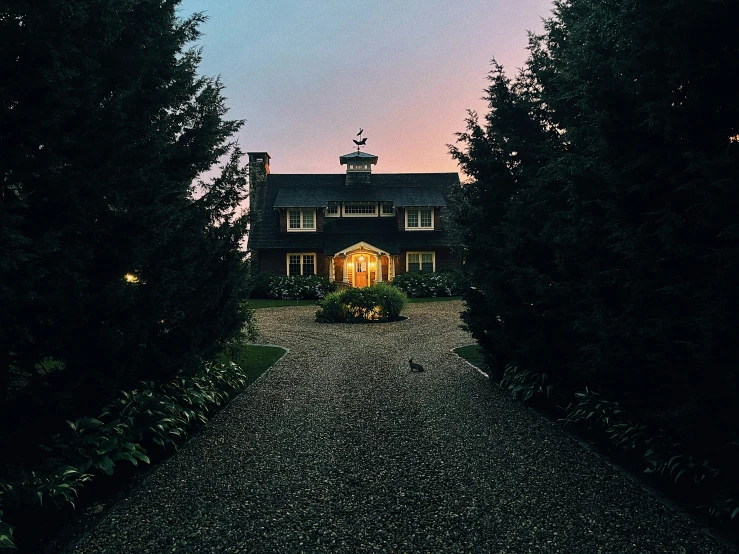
388,209
360,208
427,262
301,220
293,266
417,219
333,209
421,261
301,264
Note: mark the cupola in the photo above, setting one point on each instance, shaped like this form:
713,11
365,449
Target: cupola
358,162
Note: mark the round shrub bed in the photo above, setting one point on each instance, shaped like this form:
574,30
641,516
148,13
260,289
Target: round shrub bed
378,303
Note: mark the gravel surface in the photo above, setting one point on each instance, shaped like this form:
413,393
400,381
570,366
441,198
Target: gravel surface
340,448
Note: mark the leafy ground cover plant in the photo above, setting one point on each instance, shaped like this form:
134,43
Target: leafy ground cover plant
641,445
526,384
154,416
380,302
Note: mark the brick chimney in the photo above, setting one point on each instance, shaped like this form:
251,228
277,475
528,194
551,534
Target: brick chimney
258,168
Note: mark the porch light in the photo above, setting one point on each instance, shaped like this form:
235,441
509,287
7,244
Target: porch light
131,278
361,258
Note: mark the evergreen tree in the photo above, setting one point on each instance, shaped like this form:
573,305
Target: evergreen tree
624,207
121,264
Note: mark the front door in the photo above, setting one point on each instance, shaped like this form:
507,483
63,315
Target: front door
360,271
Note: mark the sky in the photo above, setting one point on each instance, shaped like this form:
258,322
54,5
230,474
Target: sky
307,75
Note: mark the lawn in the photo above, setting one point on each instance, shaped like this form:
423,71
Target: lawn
473,354
258,303
254,359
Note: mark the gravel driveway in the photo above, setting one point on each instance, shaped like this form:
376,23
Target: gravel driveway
339,448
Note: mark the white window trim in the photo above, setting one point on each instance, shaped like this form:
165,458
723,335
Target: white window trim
302,255
419,228
344,214
302,228
391,214
420,258
337,214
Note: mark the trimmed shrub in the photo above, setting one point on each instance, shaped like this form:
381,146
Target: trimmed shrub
258,285
300,287
332,310
380,302
451,282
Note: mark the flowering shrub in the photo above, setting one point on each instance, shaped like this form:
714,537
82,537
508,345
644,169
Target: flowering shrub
417,285
299,287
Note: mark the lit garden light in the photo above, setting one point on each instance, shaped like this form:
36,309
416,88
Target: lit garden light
131,278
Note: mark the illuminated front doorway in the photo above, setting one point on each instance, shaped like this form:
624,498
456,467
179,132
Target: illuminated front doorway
362,265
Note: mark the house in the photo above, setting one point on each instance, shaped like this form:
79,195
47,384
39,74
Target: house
356,228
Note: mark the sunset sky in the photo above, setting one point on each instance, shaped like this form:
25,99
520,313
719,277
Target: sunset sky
306,75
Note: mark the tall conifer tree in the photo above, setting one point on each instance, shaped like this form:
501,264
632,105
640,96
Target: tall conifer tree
627,211
105,127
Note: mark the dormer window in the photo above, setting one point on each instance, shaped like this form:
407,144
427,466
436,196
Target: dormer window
301,220
333,209
419,219
360,208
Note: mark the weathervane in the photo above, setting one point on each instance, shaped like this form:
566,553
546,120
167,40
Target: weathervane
361,141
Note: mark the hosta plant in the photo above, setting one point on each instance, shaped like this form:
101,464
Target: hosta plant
6,535
526,384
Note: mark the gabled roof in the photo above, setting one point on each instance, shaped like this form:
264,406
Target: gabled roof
317,190
402,189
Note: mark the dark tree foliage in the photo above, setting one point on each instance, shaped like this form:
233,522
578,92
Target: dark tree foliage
601,223
104,128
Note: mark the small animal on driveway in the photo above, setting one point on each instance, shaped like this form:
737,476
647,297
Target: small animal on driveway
415,366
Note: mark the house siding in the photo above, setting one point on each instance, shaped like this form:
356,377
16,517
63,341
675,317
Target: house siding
272,262
283,221
338,269
438,221
446,258
320,218
400,218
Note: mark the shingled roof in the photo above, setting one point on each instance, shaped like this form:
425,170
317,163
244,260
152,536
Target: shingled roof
302,197
317,190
